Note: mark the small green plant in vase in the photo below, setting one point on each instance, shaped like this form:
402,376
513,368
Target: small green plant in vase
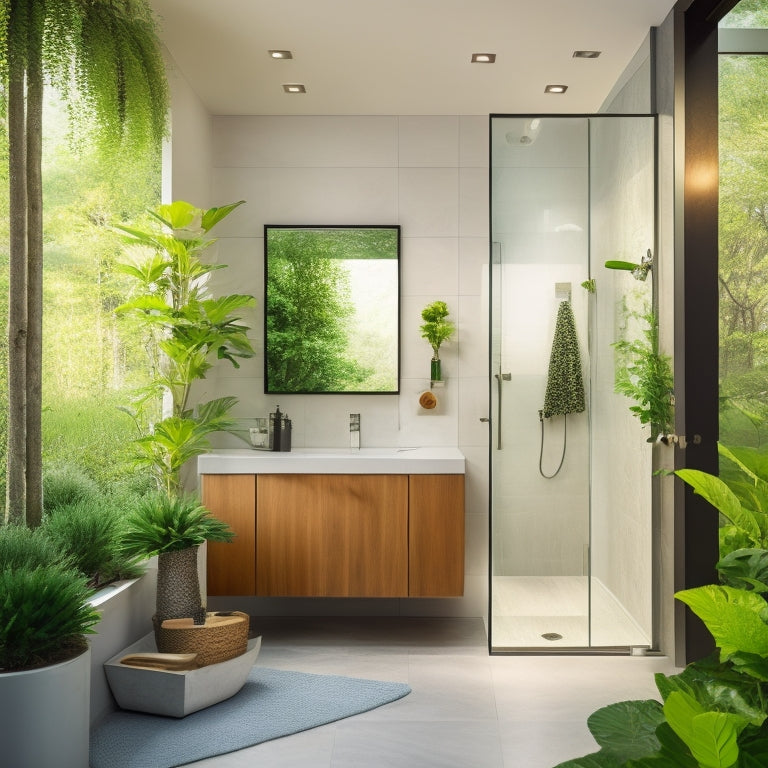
436,330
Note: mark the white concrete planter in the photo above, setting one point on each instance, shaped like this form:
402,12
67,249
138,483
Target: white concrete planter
45,715
177,693
126,615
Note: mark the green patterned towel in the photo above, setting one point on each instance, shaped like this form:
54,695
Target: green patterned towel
565,384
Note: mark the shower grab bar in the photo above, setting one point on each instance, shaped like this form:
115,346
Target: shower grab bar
500,379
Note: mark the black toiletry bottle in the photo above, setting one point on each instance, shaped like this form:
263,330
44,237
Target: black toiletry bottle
275,427
285,434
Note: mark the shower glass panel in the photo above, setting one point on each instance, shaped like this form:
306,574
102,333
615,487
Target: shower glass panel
571,503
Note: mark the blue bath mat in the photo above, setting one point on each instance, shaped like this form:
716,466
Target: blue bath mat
272,703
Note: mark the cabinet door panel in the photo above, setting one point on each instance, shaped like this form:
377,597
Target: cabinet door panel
332,535
232,566
436,536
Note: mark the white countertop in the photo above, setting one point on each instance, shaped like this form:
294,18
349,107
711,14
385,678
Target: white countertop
334,461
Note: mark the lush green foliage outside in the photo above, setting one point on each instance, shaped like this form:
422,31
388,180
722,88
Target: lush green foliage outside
91,360
743,228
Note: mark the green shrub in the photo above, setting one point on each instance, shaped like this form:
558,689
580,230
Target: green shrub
91,531
44,614
90,432
67,484
22,547
44,609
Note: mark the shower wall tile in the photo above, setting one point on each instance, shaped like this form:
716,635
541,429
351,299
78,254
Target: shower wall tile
558,144
473,141
305,196
429,201
473,266
476,491
307,141
474,395
473,202
428,141
331,196
477,543
429,265
472,338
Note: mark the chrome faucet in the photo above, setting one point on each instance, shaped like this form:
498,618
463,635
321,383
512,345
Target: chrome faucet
354,430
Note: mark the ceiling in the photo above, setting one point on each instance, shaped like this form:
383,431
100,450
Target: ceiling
403,56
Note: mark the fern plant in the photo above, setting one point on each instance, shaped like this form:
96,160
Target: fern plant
644,375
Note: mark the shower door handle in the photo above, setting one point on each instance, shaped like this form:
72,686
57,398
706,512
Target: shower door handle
500,379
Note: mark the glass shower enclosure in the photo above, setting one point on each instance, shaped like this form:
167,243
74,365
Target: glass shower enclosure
572,519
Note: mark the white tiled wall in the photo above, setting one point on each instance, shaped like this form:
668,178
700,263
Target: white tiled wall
427,174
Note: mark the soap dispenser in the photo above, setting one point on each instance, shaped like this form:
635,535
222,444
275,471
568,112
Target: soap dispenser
275,427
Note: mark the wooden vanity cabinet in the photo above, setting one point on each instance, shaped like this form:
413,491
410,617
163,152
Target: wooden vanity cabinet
332,535
326,535
436,536
232,565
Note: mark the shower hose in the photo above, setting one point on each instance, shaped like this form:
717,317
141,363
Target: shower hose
541,450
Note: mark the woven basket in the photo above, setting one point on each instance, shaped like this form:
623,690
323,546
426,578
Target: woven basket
222,637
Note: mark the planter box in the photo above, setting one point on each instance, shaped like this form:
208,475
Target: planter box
44,715
126,615
176,693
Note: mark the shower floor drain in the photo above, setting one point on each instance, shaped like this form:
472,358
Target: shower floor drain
552,636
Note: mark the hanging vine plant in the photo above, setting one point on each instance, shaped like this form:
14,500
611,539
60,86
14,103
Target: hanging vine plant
645,375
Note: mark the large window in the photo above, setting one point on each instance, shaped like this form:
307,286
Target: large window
743,226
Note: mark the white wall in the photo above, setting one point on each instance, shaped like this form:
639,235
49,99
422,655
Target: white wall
187,155
428,174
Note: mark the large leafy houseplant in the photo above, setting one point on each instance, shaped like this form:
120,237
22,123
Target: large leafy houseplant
714,714
740,496
187,329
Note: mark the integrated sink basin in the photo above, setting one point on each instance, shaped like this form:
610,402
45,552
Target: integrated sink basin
436,460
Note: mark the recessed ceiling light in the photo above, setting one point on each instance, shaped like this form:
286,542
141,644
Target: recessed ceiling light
281,54
586,54
294,88
483,58
555,88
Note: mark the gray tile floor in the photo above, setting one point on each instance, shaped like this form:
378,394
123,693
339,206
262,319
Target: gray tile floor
466,709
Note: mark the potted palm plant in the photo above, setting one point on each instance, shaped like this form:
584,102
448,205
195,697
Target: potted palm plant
45,616
173,528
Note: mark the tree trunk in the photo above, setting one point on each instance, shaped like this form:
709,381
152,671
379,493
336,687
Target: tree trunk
15,490
34,287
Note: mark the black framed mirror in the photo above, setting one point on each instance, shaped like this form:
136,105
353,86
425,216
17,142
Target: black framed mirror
332,309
